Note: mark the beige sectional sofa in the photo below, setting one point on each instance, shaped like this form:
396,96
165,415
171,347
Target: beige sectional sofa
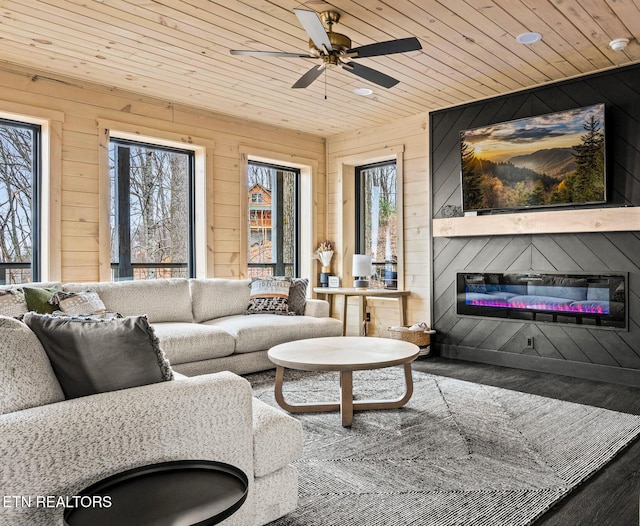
201,323
56,447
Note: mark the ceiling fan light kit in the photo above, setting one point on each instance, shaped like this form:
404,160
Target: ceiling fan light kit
334,49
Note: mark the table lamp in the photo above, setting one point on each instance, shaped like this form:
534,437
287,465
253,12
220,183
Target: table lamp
361,271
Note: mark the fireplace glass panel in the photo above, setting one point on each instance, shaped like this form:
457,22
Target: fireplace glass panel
583,299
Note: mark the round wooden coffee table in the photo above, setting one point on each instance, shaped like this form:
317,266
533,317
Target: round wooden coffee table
344,354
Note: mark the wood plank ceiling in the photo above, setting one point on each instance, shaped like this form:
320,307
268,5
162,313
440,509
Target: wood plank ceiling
178,50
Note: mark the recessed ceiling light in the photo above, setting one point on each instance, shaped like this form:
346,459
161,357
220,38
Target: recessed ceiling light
619,44
363,91
528,38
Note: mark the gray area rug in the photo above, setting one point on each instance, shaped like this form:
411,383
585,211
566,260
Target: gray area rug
458,453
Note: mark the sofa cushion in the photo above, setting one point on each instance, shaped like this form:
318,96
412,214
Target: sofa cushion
12,303
215,298
277,439
85,302
92,356
157,299
262,331
269,295
191,342
26,377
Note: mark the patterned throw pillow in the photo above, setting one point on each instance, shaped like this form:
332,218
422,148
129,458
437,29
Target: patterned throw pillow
12,303
91,356
77,303
269,296
298,296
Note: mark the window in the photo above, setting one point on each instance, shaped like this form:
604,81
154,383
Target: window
152,212
377,220
19,202
273,248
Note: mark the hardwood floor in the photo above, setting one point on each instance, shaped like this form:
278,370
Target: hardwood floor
611,496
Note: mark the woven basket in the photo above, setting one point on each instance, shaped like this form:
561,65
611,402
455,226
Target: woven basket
417,337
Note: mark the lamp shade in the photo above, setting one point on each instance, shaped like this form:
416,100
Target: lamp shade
361,271
361,266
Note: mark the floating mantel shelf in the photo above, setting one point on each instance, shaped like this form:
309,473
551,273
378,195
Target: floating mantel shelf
552,222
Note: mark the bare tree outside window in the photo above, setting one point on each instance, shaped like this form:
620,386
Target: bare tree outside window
151,187
272,226
378,221
18,166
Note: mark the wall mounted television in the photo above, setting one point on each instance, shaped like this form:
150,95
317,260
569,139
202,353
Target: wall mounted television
556,159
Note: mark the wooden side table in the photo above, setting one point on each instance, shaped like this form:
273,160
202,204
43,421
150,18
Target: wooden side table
329,293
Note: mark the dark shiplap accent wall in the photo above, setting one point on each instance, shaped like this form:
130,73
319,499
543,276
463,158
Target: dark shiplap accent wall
595,353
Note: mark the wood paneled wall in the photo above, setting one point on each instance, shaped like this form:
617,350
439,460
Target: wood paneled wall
596,353
83,105
408,137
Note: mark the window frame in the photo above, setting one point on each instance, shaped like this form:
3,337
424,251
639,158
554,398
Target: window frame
191,200
36,192
182,138
311,170
297,216
50,194
343,230
359,205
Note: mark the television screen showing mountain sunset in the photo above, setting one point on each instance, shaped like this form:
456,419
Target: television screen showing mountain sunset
547,160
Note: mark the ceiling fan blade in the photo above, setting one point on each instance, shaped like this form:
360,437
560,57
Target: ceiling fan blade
370,74
386,48
250,53
309,76
314,28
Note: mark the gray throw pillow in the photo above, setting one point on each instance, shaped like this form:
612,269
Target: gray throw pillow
92,356
298,296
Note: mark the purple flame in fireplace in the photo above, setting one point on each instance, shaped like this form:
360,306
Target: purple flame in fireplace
538,305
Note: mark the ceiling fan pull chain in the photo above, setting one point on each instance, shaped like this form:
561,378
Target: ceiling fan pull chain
325,83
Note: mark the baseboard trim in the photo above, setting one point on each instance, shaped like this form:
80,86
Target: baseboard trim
588,371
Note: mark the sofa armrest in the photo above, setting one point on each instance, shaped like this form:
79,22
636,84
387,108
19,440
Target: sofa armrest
316,308
61,448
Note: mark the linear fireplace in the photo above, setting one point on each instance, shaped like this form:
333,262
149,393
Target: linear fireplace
593,300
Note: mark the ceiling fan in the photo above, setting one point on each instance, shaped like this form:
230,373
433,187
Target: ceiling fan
335,50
